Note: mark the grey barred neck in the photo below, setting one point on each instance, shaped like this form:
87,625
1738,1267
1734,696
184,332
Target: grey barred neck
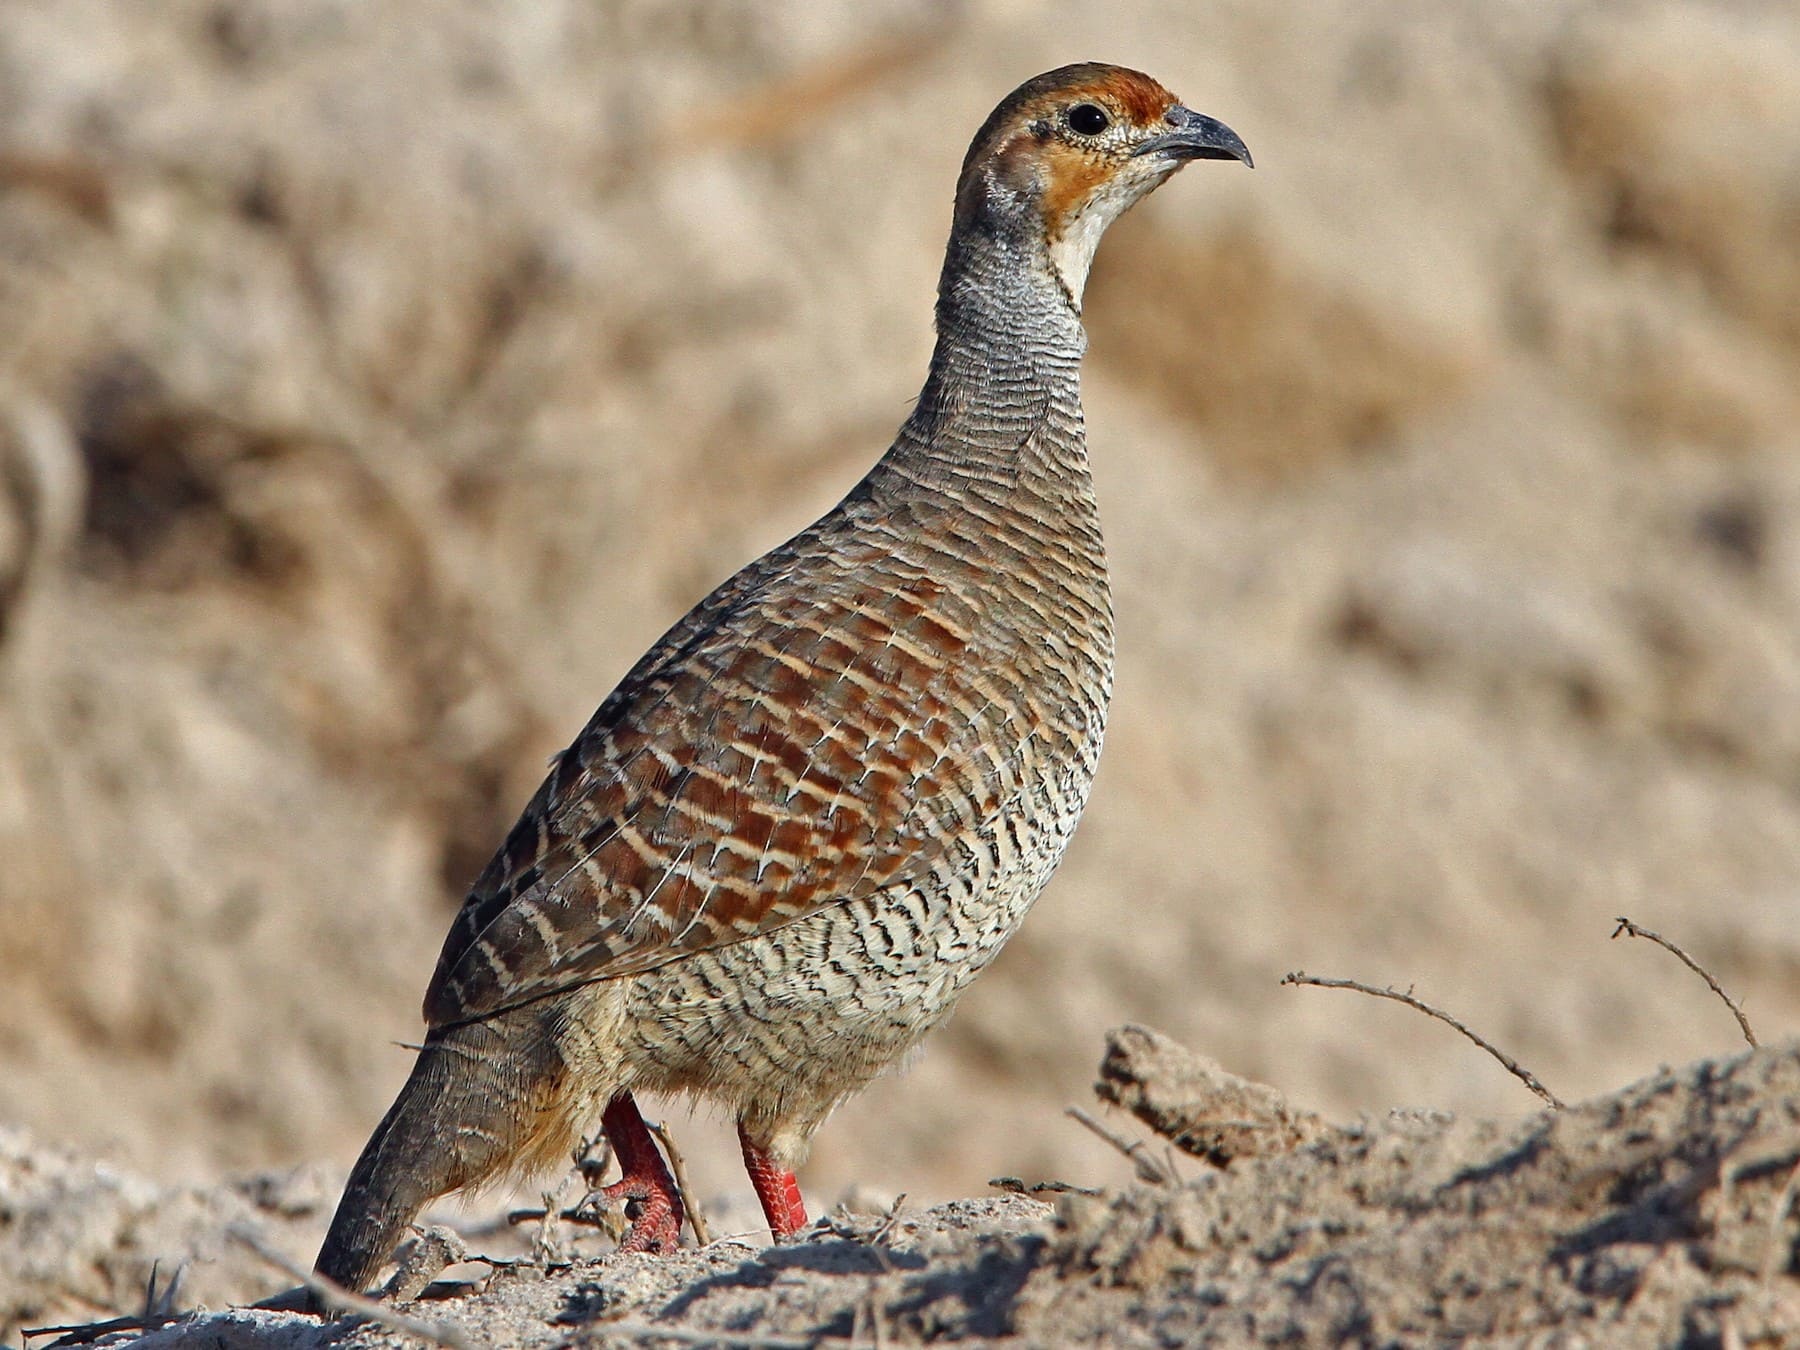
1001,406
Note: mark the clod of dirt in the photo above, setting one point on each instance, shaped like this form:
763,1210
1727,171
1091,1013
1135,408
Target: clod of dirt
1662,1214
1193,1101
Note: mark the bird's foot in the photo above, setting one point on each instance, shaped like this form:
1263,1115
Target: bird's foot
655,1214
645,1191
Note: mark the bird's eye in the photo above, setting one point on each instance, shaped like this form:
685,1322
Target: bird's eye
1087,120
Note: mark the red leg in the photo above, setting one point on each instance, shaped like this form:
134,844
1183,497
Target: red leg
656,1222
776,1187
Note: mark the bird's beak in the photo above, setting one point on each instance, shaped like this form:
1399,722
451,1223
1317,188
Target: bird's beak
1193,135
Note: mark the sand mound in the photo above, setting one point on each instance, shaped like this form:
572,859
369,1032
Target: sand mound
1657,1215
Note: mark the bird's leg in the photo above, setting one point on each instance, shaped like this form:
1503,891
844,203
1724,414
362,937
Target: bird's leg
652,1203
776,1187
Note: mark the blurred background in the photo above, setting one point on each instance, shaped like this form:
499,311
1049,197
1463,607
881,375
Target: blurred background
376,382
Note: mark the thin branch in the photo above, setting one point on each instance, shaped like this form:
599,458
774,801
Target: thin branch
1143,1161
545,1245
1018,1186
841,1223
583,1214
332,1296
160,1302
678,1164
1628,927
889,1221
86,1333
876,1242
1512,1066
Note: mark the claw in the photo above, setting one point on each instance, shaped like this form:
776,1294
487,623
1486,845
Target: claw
656,1215
646,1191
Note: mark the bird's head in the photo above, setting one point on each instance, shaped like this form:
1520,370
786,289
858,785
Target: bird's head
1068,153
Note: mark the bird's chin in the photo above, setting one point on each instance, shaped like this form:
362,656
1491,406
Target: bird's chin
1163,166
1152,174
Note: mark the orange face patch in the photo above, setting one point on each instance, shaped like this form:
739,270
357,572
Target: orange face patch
1023,148
1072,177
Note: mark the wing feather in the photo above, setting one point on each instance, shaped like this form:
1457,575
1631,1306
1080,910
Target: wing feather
801,738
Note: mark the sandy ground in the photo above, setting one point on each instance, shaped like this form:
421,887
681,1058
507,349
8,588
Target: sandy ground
1659,1215
376,382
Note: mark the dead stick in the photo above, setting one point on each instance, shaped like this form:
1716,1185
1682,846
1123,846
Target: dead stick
1018,1186
878,1239
696,1215
340,1299
86,1333
1142,1160
1627,926
1517,1070
586,1218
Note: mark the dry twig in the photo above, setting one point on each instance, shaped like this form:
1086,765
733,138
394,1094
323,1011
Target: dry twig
342,1300
1147,1165
159,1311
161,1302
877,1240
584,1214
1517,1070
1628,927
86,1333
1018,1186
546,1243
843,1224
678,1164
593,1210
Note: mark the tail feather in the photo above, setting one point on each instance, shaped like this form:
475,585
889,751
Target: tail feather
475,1097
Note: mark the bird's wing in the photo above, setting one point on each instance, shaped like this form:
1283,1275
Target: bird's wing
807,735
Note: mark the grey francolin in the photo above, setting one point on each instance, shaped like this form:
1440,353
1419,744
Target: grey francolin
820,805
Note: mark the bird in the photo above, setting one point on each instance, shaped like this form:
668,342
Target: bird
822,802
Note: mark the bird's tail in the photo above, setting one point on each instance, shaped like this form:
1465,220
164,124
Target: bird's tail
482,1097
